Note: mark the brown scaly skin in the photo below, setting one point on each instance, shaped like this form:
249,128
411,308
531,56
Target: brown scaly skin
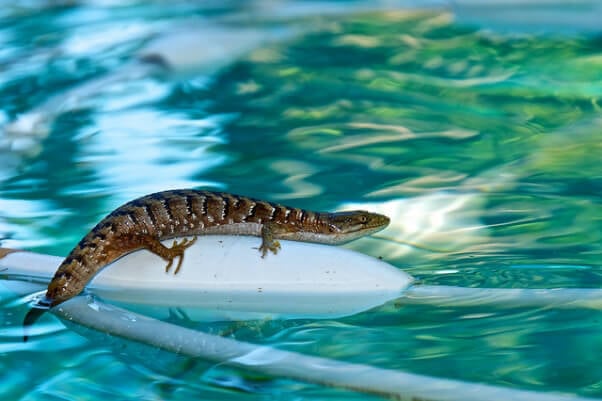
144,222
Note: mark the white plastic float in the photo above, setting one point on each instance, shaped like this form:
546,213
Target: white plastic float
224,278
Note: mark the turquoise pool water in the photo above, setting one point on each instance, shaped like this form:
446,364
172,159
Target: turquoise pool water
491,138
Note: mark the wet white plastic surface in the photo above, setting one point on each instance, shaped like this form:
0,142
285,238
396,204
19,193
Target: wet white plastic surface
224,277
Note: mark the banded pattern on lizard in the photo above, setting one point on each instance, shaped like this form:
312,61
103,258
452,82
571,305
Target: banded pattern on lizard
144,222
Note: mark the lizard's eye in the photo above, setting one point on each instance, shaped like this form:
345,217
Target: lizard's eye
363,219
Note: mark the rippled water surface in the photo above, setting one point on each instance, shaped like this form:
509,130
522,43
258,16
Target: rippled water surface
486,144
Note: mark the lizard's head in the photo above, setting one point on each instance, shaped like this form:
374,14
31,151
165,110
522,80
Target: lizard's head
342,227
354,224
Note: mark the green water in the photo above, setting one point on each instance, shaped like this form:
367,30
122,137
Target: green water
365,108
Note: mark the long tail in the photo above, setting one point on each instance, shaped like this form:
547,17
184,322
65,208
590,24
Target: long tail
36,311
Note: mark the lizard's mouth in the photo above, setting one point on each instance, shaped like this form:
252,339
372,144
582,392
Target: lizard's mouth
340,237
362,231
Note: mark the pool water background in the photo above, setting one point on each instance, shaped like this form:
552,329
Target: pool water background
502,128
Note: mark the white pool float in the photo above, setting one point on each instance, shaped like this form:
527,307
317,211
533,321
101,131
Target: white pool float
225,277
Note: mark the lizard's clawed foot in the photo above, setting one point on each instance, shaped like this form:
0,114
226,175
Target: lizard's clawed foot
177,251
266,246
268,243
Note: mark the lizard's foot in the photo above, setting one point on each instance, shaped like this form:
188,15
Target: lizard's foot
266,246
177,251
268,243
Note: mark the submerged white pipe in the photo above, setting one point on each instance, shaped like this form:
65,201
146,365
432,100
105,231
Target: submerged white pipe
274,362
562,298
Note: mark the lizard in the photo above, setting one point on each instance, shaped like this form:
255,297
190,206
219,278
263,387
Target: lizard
145,222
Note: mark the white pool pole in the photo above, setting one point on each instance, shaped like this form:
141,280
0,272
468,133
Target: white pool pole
560,298
279,363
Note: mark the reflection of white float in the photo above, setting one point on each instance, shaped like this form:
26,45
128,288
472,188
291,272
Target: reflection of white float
224,277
